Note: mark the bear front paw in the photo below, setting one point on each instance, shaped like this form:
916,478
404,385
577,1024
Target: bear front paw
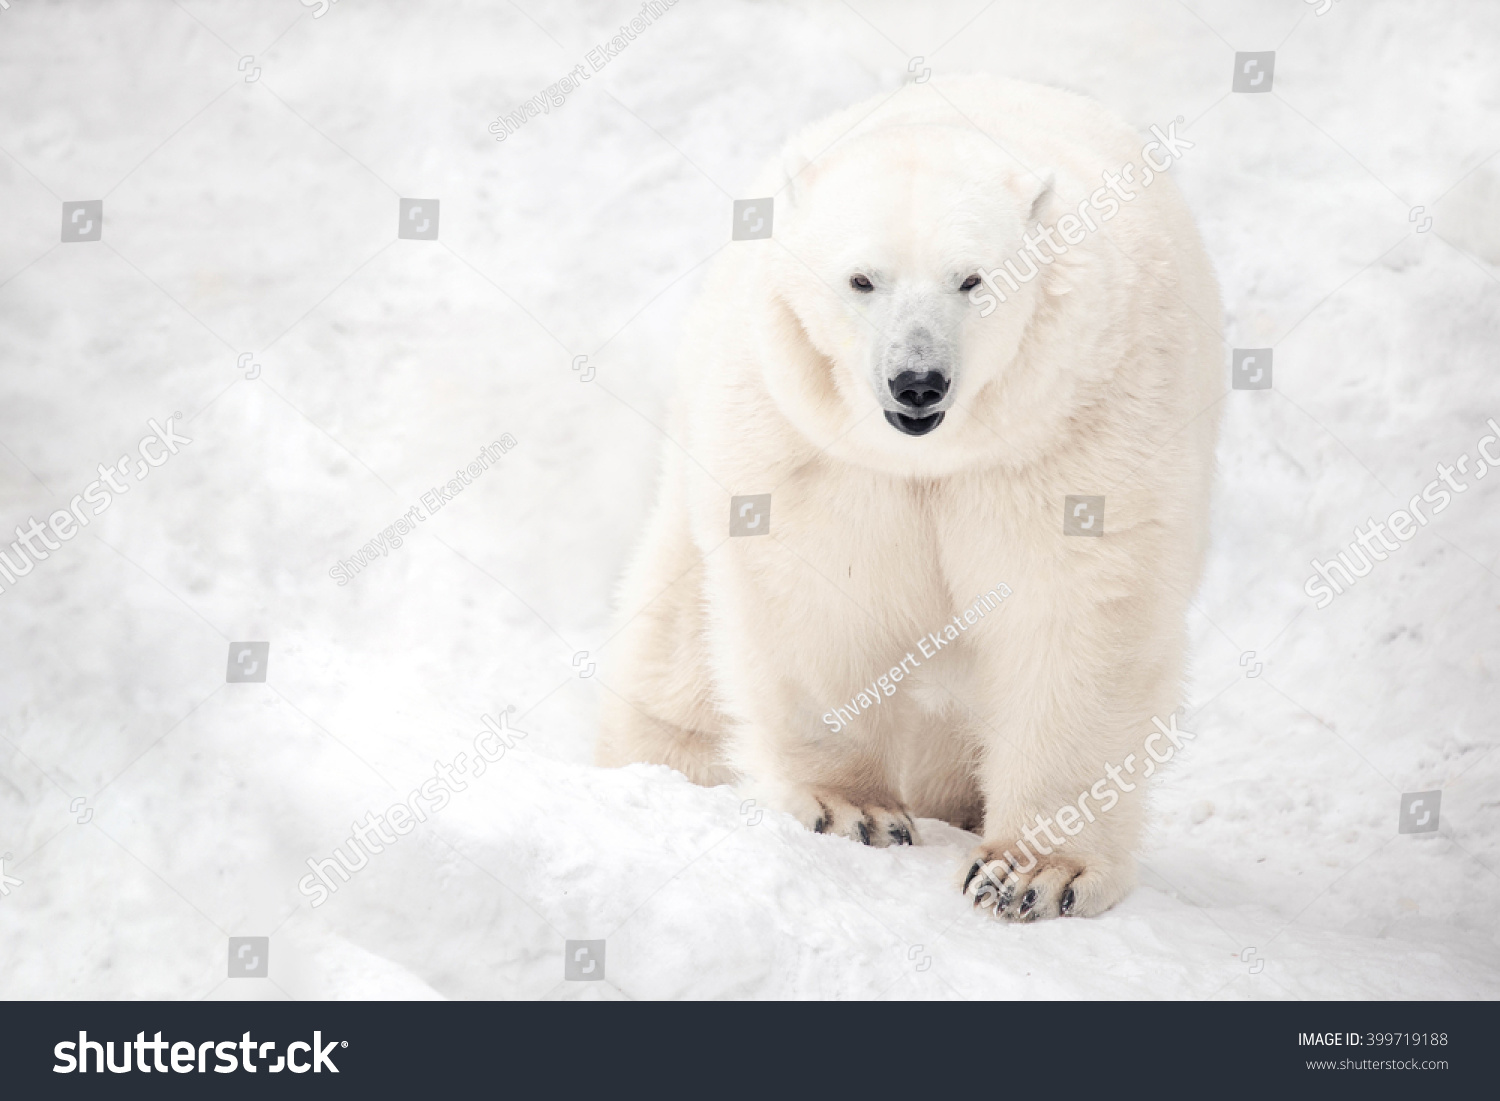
1055,885
871,824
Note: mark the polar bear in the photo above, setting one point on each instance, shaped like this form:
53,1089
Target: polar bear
959,324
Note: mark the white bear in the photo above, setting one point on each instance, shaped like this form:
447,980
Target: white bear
920,414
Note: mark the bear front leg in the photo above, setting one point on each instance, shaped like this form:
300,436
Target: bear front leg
790,646
1074,722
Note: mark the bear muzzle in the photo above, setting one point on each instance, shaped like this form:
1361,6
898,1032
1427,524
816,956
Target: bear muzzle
918,394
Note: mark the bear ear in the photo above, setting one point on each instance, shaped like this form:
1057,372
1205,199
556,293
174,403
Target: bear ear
1042,190
1042,198
794,171
1033,192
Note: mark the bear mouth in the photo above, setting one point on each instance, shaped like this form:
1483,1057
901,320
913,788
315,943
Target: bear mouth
915,426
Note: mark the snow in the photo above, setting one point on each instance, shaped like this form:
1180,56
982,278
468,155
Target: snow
258,216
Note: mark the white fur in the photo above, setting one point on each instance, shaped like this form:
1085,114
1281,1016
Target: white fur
1101,376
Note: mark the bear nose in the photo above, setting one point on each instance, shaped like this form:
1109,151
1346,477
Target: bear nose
918,391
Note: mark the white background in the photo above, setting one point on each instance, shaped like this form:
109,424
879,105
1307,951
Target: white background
261,216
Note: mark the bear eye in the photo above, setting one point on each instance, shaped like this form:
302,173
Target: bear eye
861,283
970,283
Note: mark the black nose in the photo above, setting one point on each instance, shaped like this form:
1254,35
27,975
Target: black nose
916,391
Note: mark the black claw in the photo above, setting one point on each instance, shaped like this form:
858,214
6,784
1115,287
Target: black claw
821,825
900,835
1028,901
864,833
972,873
1067,901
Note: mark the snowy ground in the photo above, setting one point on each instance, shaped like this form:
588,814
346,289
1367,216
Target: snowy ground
150,810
